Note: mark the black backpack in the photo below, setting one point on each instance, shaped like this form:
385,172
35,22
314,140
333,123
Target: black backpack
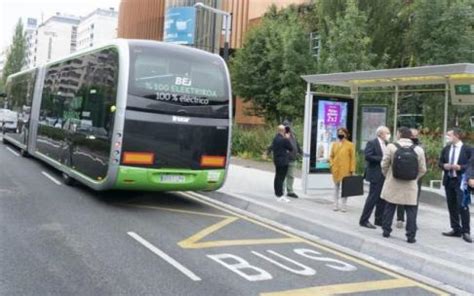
405,163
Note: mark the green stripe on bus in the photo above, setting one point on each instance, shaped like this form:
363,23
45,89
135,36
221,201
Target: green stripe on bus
135,178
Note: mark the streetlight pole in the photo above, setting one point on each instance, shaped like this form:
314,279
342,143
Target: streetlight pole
226,21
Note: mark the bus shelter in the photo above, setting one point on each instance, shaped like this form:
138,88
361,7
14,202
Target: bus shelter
456,80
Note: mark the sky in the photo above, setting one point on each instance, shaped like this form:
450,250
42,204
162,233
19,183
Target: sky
12,10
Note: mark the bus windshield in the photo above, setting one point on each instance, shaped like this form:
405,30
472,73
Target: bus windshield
177,78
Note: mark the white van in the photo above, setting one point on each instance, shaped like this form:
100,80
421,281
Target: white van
8,119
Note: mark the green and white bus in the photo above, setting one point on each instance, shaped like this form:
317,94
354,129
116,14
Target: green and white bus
131,115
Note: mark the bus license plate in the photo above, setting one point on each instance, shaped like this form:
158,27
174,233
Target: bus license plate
172,179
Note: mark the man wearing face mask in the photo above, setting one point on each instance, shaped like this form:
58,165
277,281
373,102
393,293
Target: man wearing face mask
374,151
454,161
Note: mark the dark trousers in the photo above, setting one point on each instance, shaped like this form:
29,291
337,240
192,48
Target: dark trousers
373,200
401,208
454,196
389,212
280,175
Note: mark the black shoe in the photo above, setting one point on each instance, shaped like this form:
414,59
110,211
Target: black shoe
386,234
368,225
452,233
292,195
411,240
467,238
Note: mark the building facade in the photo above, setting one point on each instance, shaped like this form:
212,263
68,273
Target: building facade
30,36
97,27
144,19
141,19
55,38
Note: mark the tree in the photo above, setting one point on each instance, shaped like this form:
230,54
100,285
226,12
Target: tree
346,45
443,32
267,70
16,56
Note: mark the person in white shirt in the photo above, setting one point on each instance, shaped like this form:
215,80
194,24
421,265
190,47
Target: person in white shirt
454,161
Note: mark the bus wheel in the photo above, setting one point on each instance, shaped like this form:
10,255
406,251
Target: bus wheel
23,153
68,180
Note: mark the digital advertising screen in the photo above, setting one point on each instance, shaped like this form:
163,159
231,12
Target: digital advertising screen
180,25
329,114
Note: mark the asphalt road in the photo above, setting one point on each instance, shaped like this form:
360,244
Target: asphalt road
60,240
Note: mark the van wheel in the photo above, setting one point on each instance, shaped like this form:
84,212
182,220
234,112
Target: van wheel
23,153
68,180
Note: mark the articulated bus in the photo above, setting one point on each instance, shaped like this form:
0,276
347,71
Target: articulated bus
129,115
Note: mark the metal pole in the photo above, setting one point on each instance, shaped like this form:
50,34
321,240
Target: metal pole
227,20
395,111
306,138
355,95
446,101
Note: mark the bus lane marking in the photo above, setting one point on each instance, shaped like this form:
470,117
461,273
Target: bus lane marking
50,177
13,151
346,288
164,256
195,241
221,206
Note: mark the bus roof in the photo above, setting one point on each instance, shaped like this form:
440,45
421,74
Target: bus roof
123,43
22,72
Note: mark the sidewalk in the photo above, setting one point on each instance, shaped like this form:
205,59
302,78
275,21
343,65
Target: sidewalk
448,260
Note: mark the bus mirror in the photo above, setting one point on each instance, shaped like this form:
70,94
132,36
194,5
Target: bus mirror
113,108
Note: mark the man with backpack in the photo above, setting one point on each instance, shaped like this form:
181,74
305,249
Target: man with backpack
402,165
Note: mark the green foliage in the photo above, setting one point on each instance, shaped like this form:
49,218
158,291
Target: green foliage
252,142
267,70
443,32
346,47
432,144
16,56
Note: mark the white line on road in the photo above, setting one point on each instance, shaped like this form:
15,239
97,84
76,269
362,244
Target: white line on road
13,151
50,177
164,256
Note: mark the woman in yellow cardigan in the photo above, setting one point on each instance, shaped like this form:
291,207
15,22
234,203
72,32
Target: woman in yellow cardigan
342,163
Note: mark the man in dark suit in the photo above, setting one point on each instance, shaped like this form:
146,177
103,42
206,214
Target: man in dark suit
454,161
281,148
374,151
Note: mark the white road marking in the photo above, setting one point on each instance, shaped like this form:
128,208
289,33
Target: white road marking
164,256
13,151
50,177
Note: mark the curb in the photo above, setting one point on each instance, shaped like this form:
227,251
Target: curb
441,270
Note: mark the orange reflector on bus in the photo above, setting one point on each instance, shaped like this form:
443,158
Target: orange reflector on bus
138,157
212,161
